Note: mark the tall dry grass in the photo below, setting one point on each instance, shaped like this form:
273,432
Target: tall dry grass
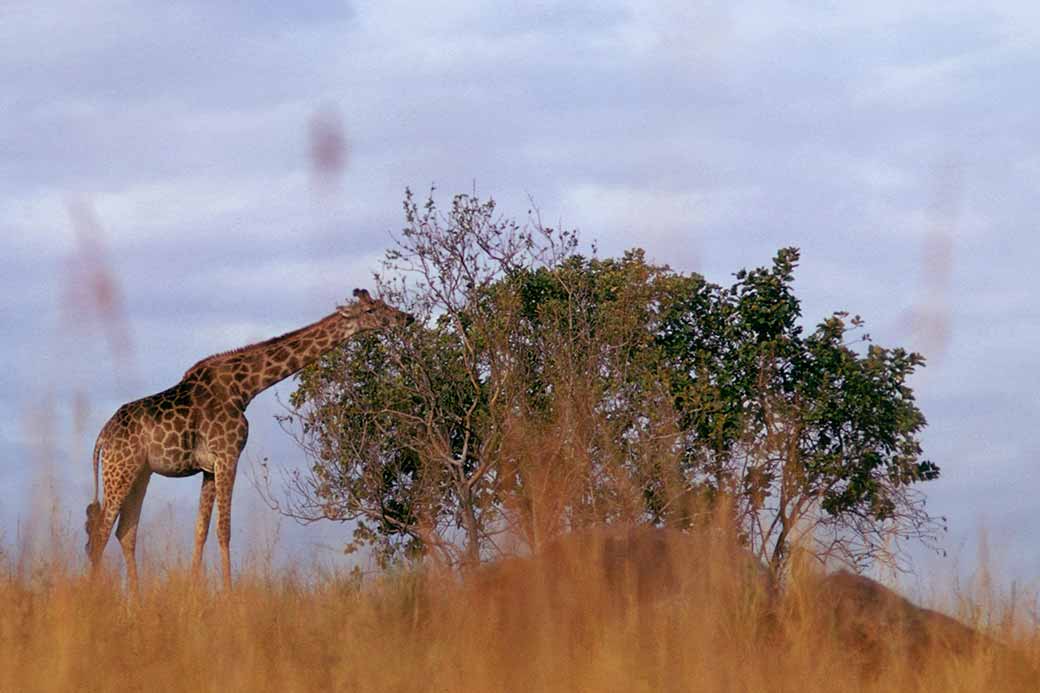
600,612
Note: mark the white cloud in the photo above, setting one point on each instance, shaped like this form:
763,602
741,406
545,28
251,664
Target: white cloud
921,85
667,224
188,207
881,175
330,277
35,222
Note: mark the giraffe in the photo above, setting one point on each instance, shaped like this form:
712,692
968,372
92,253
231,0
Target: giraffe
199,425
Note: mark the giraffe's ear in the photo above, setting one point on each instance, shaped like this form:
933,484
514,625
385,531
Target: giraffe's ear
362,296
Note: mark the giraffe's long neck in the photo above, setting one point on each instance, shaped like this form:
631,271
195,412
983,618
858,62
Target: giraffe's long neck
259,366
283,356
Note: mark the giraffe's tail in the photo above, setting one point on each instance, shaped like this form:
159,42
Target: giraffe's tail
94,509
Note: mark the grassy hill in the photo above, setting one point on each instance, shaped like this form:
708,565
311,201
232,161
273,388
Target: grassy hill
602,612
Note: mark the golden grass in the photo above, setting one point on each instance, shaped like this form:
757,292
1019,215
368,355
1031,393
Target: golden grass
669,614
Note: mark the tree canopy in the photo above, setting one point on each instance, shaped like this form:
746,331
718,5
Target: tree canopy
541,390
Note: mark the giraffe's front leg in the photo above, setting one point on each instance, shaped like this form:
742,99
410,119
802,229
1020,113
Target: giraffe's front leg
224,480
206,497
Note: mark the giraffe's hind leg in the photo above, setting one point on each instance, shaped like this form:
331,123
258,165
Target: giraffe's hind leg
99,537
117,489
206,496
129,518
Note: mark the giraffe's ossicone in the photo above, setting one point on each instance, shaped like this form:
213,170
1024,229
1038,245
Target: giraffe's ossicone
199,426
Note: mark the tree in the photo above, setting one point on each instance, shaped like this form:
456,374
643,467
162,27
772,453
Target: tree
814,443
541,391
404,428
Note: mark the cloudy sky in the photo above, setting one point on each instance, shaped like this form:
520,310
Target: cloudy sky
166,145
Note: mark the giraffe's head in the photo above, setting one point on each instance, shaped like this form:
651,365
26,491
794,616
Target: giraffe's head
371,313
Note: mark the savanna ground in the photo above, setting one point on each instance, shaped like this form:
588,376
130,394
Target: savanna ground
670,614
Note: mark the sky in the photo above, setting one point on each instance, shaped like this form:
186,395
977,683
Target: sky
155,160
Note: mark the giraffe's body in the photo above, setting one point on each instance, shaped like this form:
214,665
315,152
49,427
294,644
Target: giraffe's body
199,425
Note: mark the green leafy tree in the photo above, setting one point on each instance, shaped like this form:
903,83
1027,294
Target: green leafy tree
812,438
541,391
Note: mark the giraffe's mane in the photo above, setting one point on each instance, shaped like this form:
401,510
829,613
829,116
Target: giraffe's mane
256,346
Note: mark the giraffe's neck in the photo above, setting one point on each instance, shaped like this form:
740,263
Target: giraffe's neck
259,366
